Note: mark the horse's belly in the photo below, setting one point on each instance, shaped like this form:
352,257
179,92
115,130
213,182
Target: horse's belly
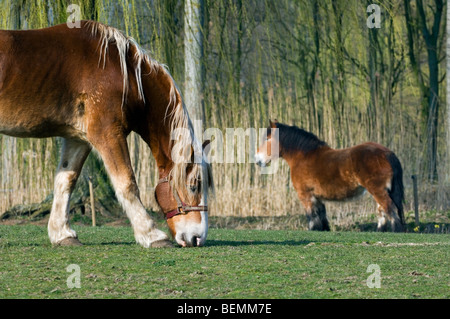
344,194
43,130
356,193
37,126
28,117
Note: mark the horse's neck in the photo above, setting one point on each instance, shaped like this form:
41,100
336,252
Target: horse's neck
292,157
298,157
159,106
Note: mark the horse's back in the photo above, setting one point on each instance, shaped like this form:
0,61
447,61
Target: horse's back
341,174
368,152
47,76
44,58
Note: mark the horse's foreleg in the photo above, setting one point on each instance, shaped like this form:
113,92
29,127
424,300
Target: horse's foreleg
73,155
315,213
115,155
322,213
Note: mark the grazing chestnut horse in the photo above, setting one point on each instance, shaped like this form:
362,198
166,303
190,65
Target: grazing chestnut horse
319,173
92,86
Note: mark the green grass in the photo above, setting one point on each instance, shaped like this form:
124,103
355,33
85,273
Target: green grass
233,264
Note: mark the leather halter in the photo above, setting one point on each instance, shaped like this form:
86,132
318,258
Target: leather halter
182,208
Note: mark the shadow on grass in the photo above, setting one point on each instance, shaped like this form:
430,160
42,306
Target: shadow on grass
50,246
110,243
214,242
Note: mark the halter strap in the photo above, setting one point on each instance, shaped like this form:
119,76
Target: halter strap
182,208
163,179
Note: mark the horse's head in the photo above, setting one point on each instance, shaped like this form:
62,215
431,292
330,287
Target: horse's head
185,175
265,153
184,200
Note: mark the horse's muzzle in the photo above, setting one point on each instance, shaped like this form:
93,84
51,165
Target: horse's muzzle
260,160
261,163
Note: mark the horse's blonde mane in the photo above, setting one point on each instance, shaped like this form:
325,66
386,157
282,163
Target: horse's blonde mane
176,110
109,35
190,147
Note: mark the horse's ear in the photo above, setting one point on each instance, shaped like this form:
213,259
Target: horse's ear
205,147
205,143
273,124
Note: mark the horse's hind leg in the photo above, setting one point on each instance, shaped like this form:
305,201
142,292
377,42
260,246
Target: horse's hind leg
396,225
73,155
115,155
381,226
386,210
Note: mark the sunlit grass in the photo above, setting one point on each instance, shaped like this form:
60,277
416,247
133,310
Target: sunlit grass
233,264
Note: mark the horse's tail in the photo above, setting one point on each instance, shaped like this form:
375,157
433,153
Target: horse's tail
396,193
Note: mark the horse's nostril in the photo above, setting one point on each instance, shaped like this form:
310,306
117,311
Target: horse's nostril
194,241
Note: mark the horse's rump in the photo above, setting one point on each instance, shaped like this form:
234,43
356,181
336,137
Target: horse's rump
378,169
370,163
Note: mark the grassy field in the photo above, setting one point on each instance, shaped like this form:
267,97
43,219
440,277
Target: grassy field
234,264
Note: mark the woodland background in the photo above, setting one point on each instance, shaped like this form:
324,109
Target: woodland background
315,64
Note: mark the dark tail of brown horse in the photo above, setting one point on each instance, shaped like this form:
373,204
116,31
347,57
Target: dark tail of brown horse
396,193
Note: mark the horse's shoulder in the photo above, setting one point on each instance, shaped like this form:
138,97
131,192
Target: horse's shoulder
6,40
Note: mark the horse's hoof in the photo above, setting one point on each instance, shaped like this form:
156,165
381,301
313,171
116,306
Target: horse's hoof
162,244
69,241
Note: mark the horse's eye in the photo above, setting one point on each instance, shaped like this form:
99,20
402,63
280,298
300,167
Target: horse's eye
193,188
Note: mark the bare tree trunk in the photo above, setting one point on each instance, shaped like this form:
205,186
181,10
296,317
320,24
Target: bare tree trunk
431,40
447,169
193,51
339,89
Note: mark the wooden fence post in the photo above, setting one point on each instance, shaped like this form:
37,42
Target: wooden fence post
91,195
416,199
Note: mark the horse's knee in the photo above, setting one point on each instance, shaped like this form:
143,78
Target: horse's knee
65,181
127,195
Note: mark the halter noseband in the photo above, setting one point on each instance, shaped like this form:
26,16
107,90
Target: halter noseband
182,208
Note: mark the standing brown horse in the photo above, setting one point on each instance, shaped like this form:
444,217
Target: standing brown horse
319,173
92,86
